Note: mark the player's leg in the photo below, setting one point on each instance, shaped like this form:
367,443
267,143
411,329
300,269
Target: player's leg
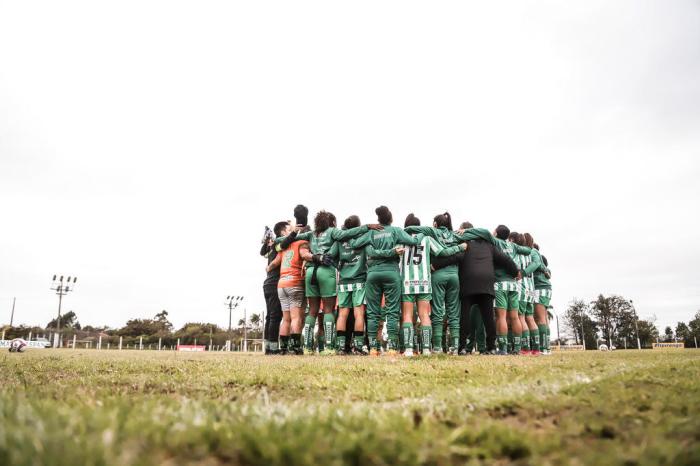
313,296
501,304
273,318
541,321
534,331
437,316
358,301
328,288
465,327
344,306
408,302
525,337
392,293
426,329
514,320
485,303
373,294
452,310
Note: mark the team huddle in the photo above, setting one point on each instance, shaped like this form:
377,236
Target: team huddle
430,289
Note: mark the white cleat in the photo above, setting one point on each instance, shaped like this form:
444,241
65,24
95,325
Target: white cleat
408,353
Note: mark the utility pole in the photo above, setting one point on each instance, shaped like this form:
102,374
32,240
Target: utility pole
583,336
61,288
557,317
232,302
12,315
245,329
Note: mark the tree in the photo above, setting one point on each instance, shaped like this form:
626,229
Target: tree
161,319
615,317
576,317
241,323
668,334
694,326
138,328
255,320
683,334
68,320
648,333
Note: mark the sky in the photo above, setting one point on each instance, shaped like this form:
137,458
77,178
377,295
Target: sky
144,145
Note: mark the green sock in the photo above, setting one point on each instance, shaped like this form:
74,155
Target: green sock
340,342
328,328
359,339
416,339
454,337
284,342
502,342
542,329
548,339
525,340
308,332
426,336
407,332
511,342
516,343
535,340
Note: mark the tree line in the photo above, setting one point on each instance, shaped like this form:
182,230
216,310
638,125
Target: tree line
150,330
613,320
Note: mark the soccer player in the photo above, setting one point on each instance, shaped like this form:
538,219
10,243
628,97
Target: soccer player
290,290
384,249
526,294
445,283
543,296
352,267
417,285
273,316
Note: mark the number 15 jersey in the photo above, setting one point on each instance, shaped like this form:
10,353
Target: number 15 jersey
415,264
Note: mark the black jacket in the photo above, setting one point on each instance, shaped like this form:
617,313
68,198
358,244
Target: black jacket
476,267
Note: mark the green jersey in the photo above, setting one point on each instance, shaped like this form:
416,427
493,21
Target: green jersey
504,281
415,264
380,246
527,284
322,243
352,263
540,275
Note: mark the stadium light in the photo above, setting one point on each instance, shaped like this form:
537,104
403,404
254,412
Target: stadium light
61,290
232,303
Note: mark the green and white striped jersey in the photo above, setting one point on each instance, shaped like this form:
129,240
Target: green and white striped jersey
527,284
415,264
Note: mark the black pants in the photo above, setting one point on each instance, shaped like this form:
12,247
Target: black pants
273,316
485,304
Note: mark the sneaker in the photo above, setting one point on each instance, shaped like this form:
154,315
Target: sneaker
535,353
453,351
374,352
524,352
488,353
408,353
426,352
437,351
308,351
501,353
341,352
363,351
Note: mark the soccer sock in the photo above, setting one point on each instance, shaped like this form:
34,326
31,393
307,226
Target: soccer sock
328,325
340,342
284,342
295,342
548,338
542,328
274,346
510,340
359,339
517,341
426,335
407,331
502,342
454,337
525,340
416,339
372,327
309,324
535,340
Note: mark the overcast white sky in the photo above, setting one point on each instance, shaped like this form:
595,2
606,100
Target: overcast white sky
144,145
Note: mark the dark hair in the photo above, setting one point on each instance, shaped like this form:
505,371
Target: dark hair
528,239
517,238
536,246
333,219
322,221
443,220
383,215
279,226
502,232
411,221
352,222
466,225
544,261
301,214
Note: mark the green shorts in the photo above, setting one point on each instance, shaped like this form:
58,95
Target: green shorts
508,300
526,309
326,286
351,295
412,298
543,297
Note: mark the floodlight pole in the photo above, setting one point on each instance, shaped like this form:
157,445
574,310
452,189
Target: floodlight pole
61,288
583,336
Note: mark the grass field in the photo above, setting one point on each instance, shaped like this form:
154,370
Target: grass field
130,407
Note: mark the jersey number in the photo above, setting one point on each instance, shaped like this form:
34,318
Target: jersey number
415,255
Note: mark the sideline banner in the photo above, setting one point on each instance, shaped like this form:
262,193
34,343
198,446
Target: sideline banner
191,347
567,348
30,344
668,345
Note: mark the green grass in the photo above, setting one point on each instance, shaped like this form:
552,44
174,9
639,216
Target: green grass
130,407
